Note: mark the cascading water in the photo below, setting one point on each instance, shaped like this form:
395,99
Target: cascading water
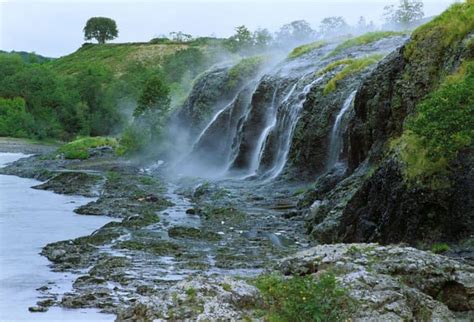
335,143
283,130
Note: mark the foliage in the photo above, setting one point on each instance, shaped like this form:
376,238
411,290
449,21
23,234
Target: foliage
304,298
79,149
14,120
245,69
190,60
242,40
331,26
100,29
134,140
440,248
444,123
351,66
365,39
407,12
442,32
419,169
298,32
262,38
301,50
154,97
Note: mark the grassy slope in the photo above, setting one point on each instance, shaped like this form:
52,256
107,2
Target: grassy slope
115,56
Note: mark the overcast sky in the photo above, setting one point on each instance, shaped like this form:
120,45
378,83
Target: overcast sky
54,28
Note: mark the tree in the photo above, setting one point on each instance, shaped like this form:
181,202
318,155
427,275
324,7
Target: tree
101,29
242,40
407,12
332,26
180,36
153,105
297,31
262,38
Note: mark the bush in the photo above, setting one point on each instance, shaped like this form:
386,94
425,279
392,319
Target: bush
304,298
444,121
134,140
304,49
79,149
440,248
14,120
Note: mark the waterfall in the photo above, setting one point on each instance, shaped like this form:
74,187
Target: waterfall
336,144
289,113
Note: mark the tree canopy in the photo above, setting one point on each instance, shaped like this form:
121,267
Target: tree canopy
100,29
407,12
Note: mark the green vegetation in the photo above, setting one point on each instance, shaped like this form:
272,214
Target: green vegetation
441,128
407,12
304,49
61,107
440,248
100,29
245,69
365,39
79,149
442,32
351,66
14,120
303,298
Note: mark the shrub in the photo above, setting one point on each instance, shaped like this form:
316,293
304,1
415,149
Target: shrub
79,149
14,120
440,248
304,49
365,39
304,298
444,121
134,140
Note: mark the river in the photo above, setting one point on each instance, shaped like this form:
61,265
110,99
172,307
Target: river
30,219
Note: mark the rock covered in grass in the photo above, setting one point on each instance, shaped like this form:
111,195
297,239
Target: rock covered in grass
391,282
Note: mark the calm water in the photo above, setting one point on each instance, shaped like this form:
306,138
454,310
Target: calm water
30,219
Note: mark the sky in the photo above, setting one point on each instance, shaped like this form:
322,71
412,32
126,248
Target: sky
54,28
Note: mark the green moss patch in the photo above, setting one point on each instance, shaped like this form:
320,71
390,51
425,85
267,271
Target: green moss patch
244,70
304,49
351,66
79,149
365,39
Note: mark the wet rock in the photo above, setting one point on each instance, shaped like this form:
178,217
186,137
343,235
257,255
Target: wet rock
391,282
198,298
193,233
37,309
73,183
191,211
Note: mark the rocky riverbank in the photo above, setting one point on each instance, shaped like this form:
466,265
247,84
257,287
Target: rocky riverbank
189,249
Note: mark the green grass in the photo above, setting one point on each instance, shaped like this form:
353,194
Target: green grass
116,57
79,149
440,248
245,69
301,50
451,26
351,66
365,39
303,298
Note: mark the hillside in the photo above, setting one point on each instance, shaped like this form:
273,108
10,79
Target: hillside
115,56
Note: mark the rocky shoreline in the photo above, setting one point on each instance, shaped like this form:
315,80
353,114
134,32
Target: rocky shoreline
188,249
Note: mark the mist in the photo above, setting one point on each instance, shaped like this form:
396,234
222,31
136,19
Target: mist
54,28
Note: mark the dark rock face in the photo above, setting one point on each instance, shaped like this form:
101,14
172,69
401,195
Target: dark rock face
375,203
386,210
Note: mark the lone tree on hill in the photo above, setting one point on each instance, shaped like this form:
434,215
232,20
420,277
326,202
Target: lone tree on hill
101,29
